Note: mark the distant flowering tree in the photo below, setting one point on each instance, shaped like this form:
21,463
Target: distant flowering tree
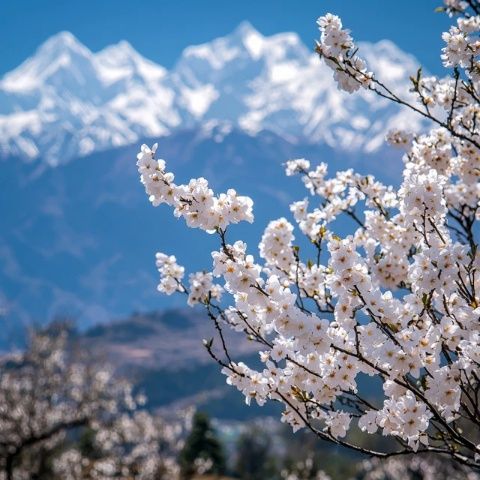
49,397
304,470
398,299
417,467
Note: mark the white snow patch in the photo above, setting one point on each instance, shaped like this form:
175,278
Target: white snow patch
255,43
198,100
360,122
283,72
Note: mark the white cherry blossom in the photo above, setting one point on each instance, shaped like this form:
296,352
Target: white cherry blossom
396,299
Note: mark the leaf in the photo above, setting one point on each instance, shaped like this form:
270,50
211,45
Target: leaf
419,74
426,300
299,394
393,327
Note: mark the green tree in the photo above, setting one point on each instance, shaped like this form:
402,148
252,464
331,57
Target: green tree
203,451
254,455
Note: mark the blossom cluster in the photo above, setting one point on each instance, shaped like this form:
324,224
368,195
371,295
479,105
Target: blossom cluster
337,47
462,44
171,274
396,299
195,202
132,446
49,395
202,289
418,466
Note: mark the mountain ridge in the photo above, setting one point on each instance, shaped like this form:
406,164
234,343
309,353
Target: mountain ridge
66,101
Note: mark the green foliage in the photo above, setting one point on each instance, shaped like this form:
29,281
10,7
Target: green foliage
202,445
255,460
306,455
86,444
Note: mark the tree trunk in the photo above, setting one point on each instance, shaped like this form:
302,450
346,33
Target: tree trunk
9,467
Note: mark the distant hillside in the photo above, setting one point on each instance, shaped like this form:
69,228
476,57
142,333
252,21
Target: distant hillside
170,340
162,353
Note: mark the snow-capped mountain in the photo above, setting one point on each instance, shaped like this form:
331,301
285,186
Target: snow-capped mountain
66,101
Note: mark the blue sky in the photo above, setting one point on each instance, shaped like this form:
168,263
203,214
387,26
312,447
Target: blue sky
161,29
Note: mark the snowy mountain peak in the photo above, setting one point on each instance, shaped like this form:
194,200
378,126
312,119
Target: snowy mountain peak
122,49
65,101
246,43
60,52
62,42
244,29
250,38
120,54
121,60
